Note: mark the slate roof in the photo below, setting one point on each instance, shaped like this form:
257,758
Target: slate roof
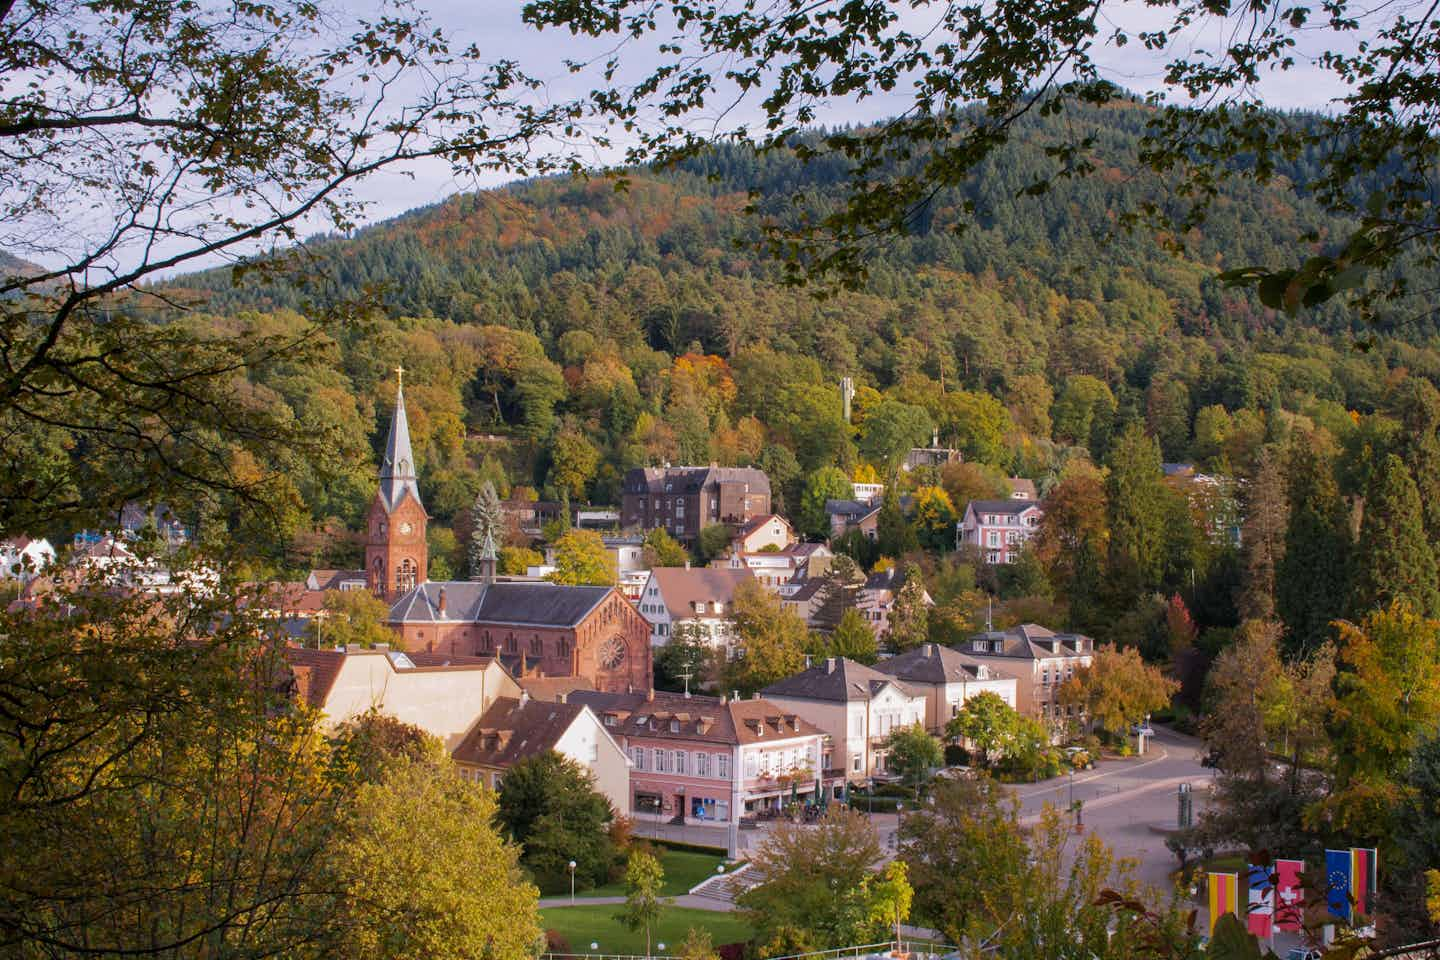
512,602
837,679
693,479
516,729
707,719
1001,506
397,469
933,664
681,588
1029,641
855,509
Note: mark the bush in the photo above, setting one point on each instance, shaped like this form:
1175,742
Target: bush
555,942
956,755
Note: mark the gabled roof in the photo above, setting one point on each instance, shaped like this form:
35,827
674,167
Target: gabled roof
314,672
332,579
932,663
1022,488
755,523
674,716
839,680
516,729
508,602
1001,506
397,469
681,588
1029,641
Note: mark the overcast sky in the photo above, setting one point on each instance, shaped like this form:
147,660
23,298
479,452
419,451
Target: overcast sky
495,25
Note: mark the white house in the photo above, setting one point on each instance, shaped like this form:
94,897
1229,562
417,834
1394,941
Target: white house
859,707
778,569
22,558
699,598
949,678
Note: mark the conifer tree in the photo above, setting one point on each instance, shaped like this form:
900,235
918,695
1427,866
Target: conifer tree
1393,559
1135,497
1266,514
1312,584
838,593
909,618
1418,407
487,520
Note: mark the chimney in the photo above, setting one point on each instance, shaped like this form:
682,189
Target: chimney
687,564
735,695
929,649
442,603
829,664
524,696
650,696
935,438
807,661
382,647
354,647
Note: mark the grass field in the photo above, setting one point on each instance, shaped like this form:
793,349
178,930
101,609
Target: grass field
683,869
595,923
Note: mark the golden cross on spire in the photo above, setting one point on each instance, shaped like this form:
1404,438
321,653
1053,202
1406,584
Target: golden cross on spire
400,377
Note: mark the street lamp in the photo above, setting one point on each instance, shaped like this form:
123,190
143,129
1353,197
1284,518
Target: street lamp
572,883
660,946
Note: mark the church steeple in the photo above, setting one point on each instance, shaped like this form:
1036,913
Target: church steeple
397,469
395,550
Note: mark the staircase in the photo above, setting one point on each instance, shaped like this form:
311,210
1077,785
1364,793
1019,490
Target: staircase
724,888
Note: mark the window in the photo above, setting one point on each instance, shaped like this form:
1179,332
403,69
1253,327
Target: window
857,725
674,726
992,556
638,756
662,761
722,766
595,752
610,720
855,763
681,762
702,764
1012,537
992,539
752,765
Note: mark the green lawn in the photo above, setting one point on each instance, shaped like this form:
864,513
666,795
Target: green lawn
683,869
596,923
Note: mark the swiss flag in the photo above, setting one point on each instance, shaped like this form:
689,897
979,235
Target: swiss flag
1289,895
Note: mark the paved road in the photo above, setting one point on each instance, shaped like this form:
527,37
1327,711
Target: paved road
1129,803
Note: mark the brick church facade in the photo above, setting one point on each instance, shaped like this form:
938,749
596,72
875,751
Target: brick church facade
533,628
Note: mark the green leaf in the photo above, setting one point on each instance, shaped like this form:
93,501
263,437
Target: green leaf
1231,941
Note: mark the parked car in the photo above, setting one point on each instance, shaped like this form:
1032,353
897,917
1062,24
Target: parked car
1137,730
1302,953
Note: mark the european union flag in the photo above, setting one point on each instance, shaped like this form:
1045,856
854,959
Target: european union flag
1337,883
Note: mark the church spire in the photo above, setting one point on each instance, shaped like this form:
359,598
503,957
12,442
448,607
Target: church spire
397,469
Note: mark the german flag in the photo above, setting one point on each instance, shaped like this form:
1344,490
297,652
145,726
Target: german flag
1224,889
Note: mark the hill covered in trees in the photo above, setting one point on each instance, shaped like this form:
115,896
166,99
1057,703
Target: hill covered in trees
592,329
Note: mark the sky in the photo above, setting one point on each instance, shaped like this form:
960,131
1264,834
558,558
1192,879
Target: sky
497,27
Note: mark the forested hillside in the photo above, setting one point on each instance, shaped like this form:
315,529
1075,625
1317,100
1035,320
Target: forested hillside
561,331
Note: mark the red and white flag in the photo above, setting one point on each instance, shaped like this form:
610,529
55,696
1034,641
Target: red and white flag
1289,895
1262,902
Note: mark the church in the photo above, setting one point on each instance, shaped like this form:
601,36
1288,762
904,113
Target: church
535,629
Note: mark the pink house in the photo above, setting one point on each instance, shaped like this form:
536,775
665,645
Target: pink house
709,759
998,528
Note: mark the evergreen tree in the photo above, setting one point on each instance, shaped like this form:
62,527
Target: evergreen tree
1418,408
1312,582
893,532
1393,559
838,593
854,639
487,525
1136,501
909,616
1266,514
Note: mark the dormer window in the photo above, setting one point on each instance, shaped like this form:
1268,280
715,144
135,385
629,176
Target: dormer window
674,726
